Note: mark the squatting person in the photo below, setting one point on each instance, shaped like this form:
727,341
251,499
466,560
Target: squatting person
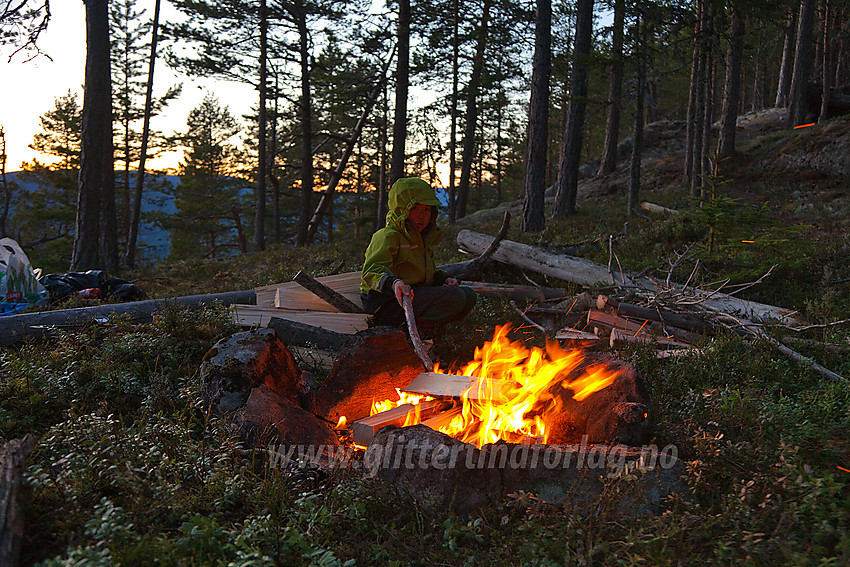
400,261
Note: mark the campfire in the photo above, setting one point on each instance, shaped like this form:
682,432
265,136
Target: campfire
508,392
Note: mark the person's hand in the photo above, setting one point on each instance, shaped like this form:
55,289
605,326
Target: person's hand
451,281
400,289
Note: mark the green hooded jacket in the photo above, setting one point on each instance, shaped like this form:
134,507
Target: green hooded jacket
399,250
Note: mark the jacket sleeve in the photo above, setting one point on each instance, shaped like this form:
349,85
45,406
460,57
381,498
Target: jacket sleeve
378,267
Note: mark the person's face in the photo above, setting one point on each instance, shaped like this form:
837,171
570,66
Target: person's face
420,215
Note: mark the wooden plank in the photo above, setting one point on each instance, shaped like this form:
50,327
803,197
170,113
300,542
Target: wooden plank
328,294
363,430
453,386
293,296
345,323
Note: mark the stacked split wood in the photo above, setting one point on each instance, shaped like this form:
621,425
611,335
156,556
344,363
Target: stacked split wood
293,302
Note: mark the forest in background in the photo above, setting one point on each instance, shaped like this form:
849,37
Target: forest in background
523,94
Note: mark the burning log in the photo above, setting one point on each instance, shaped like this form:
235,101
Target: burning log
363,430
14,496
453,386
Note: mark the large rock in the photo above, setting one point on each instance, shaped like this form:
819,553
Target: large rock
234,366
369,368
270,419
618,413
439,472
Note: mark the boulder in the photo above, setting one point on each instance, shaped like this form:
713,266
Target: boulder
236,365
271,419
439,472
369,368
618,413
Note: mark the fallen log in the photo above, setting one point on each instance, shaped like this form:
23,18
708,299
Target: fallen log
620,337
13,328
585,272
658,209
517,291
464,269
610,321
680,320
14,497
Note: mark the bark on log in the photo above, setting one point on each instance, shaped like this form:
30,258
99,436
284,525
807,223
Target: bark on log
585,272
668,317
15,327
299,334
14,496
333,297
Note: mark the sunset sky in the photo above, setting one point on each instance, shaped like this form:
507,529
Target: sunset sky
30,88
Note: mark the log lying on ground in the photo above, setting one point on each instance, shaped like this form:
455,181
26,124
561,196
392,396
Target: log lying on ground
15,327
14,497
585,272
610,321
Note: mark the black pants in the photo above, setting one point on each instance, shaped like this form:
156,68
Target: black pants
431,305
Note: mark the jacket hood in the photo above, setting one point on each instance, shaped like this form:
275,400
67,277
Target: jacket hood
404,194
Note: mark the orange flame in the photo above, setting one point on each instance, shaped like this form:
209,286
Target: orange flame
512,400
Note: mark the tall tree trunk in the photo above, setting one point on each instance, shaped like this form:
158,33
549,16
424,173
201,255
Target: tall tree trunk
306,206
785,68
615,91
707,149
699,124
381,209
828,70
732,85
534,180
637,146
565,200
472,112
272,177
95,239
402,78
841,55
262,168
136,211
693,91
453,111
4,186
802,56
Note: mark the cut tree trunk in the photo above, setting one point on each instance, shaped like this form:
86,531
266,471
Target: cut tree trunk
585,272
14,497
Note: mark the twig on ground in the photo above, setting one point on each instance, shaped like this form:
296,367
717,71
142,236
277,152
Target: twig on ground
527,319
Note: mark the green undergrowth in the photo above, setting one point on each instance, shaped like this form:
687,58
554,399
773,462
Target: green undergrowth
129,470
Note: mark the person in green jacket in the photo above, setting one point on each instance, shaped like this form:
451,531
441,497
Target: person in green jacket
400,261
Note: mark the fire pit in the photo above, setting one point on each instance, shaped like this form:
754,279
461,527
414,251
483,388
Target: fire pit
514,394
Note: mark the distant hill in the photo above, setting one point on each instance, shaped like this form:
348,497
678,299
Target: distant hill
154,242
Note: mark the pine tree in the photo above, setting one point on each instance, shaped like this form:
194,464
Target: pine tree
209,198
